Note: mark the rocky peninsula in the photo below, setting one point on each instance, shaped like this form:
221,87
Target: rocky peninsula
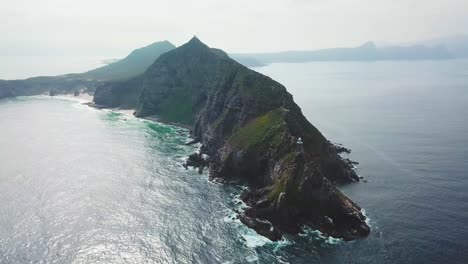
251,129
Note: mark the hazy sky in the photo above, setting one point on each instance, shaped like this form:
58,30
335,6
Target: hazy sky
114,27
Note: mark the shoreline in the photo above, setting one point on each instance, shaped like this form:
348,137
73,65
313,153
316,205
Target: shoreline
152,118
86,99
268,227
83,98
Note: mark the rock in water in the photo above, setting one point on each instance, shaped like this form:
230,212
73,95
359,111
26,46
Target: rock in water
196,160
249,125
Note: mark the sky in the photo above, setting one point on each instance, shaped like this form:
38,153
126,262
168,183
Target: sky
113,27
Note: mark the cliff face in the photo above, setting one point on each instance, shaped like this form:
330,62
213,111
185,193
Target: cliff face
294,182
251,129
122,94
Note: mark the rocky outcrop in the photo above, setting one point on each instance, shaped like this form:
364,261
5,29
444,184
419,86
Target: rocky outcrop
196,160
252,130
340,149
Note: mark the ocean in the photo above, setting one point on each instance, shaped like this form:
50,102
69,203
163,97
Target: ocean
80,185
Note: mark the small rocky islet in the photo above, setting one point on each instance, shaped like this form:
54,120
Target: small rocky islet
250,129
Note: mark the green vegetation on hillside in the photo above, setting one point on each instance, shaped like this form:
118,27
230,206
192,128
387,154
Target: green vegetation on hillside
134,64
261,132
177,109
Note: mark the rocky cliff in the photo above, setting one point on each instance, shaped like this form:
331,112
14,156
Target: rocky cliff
251,129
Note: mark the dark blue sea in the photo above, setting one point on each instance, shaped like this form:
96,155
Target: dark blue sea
80,185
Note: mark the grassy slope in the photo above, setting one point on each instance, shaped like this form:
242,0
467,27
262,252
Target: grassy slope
264,129
134,64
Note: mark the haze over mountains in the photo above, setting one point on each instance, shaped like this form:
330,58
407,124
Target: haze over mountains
140,59
436,49
457,45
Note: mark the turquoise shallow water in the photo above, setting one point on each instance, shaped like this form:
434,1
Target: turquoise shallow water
79,185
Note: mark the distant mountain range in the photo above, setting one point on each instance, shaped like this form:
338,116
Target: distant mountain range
367,52
456,45
435,49
138,61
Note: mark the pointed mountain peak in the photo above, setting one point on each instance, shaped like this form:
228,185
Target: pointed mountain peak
195,41
194,48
